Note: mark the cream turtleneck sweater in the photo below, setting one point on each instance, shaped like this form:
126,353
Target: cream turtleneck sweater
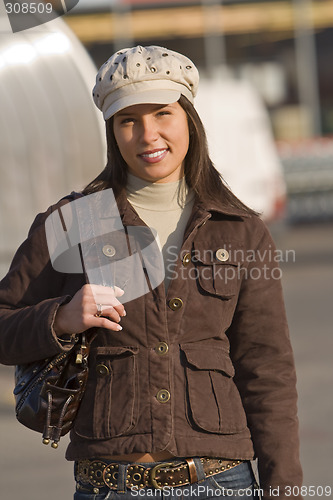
165,207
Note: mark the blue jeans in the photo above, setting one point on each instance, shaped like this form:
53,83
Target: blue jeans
238,482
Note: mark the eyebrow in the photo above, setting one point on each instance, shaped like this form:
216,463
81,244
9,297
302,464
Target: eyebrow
131,113
123,113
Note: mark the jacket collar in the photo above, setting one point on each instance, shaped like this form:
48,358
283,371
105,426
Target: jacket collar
201,210
212,206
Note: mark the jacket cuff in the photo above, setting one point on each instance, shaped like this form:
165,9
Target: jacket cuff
67,341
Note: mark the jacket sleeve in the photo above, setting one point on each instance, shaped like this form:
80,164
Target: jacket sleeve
30,295
265,372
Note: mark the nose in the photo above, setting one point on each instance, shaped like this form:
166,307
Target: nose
149,130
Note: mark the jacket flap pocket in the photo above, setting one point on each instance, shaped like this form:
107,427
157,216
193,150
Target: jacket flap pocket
214,359
217,252
213,401
115,350
218,267
109,405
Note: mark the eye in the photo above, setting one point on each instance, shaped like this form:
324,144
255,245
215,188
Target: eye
163,112
126,120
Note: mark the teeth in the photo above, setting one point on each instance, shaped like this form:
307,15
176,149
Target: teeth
154,155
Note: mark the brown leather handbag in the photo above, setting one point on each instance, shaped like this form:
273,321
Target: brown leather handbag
48,393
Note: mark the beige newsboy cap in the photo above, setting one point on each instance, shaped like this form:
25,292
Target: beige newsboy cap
141,75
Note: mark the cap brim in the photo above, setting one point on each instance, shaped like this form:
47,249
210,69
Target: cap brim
159,96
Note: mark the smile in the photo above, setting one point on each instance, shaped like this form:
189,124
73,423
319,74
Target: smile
154,154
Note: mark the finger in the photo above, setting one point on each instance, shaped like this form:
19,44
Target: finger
101,322
120,310
118,291
107,295
106,300
112,290
110,312
99,309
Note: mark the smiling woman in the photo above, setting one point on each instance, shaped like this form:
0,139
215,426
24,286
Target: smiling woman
199,379
153,140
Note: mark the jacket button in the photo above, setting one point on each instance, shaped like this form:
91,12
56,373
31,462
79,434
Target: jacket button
175,304
186,259
102,370
163,396
222,254
161,348
109,250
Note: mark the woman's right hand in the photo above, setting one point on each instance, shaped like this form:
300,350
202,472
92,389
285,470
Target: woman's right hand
82,312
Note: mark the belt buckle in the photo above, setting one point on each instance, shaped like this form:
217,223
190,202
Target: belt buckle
154,470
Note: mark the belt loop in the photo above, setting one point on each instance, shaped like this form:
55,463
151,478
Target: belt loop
192,470
200,471
121,482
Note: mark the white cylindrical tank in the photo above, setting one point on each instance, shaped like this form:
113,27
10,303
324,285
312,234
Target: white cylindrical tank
51,133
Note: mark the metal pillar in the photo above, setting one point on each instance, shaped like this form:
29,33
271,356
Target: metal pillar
214,43
122,25
306,63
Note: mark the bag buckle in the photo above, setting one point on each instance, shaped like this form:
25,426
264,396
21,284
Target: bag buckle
82,353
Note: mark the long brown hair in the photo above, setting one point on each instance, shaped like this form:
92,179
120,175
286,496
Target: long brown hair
200,173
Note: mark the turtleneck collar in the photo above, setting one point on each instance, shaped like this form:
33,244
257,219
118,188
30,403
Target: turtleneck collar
158,197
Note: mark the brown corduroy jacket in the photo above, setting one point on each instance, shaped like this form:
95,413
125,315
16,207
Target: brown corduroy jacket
204,370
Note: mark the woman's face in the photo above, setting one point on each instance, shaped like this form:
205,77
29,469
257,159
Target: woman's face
153,139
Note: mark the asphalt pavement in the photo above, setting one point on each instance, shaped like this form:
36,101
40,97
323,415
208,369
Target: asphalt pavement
30,470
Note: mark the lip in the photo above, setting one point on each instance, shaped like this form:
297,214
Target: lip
154,155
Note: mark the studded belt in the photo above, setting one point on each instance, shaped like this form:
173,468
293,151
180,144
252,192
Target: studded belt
98,473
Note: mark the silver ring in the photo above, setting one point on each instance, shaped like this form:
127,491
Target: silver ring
99,310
